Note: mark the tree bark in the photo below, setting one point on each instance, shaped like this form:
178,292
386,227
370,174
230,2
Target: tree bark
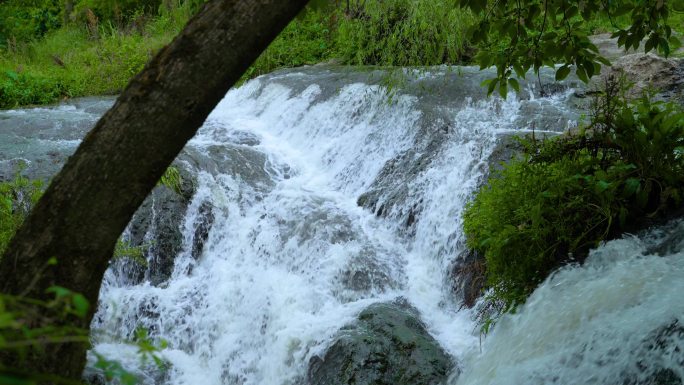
90,202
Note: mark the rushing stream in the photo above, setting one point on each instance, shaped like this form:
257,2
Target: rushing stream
318,192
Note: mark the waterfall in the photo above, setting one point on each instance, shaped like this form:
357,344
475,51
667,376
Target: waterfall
311,194
291,256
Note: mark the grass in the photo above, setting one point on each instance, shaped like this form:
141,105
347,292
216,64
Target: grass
406,33
100,59
309,39
71,61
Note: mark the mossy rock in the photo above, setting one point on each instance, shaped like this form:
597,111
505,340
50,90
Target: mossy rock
387,345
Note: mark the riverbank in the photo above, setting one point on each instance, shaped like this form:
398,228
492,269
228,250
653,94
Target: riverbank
96,56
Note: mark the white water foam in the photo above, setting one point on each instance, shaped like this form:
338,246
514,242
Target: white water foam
271,286
594,324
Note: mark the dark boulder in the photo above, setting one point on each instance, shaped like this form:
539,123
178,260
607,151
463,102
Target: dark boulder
467,276
387,345
156,227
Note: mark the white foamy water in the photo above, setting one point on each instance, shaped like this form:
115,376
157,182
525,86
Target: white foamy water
291,256
603,323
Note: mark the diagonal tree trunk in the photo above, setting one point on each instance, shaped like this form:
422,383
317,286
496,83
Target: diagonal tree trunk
89,203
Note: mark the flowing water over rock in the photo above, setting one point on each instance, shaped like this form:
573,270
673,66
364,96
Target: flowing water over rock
320,219
619,319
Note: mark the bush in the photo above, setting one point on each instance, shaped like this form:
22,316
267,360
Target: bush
566,195
16,198
306,40
25,20
405,33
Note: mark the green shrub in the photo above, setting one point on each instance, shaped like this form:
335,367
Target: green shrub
172,179
405,33
566,195
306,40
16,198
25,20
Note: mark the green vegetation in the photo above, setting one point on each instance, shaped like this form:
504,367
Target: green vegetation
18,314
104,45
16,198
18,195
406,33
77,61
528,34
172,179
18,333
48,53
568,194
309,39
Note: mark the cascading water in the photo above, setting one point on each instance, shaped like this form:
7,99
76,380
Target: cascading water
318,192
619,319
291,257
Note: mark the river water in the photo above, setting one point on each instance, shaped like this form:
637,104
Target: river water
330,190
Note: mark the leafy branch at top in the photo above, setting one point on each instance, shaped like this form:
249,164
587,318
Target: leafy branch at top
518,35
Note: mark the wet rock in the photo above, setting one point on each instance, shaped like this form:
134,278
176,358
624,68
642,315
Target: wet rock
507,148
672,241
239,161
648,71
608,46
364,274
205,219
661,358
156,226
387,345
318,221
389,192
467,276
609,49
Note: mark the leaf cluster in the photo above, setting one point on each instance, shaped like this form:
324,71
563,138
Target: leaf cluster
28,326
516,36
566,195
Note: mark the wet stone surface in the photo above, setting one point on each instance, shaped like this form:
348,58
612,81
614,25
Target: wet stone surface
388,345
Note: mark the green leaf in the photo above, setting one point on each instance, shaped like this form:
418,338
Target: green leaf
81,305
602,185
603,61
59,291
514,84
562,73
503,89
582,74
492,86
631,186
519,71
